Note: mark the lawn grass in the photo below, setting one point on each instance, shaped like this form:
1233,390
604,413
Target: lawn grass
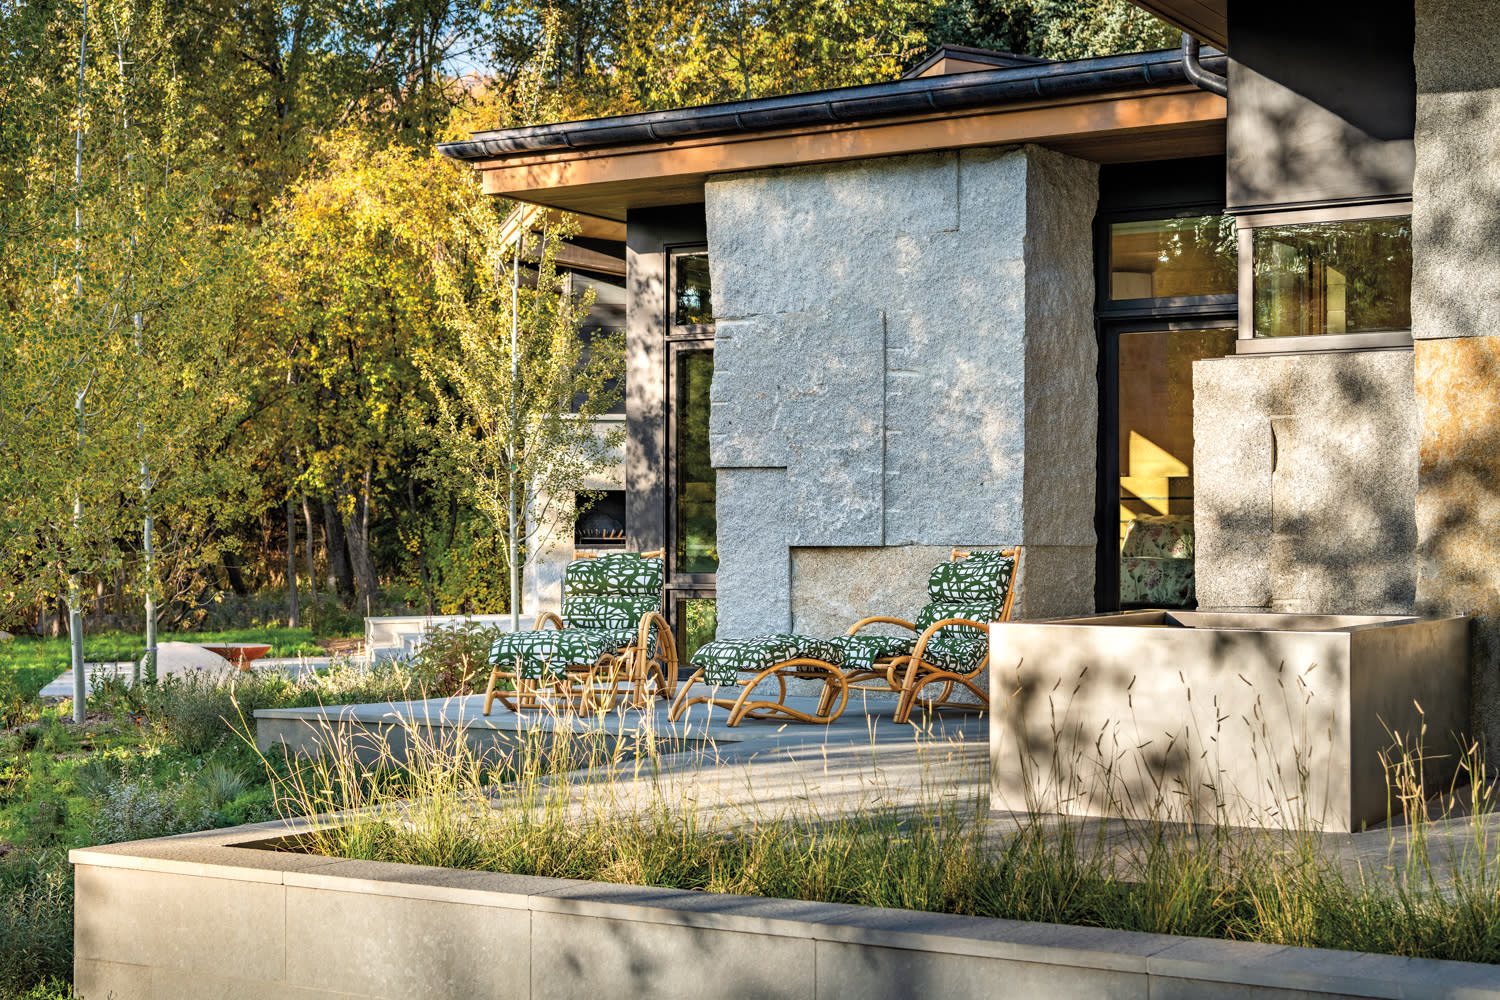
34,663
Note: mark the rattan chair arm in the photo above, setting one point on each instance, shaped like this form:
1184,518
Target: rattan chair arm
929,632
879,620
545,617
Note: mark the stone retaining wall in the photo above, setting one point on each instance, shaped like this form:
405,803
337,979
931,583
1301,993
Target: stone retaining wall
197,916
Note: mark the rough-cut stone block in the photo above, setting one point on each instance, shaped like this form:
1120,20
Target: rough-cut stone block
1062,357
754,578
807,392
1304,483
593,957
1458,503
803,239
1456,194
832,588
1058,581
898,334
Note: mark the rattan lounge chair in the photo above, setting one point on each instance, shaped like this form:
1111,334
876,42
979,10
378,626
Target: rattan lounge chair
949,644
745,663
610,641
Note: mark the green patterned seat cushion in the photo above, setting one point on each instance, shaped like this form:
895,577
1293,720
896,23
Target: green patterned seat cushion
983,576
619,573
547,653
1159,536
1160,582
723,660
861,651
608,612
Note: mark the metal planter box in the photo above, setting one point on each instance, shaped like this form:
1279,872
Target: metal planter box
1246,719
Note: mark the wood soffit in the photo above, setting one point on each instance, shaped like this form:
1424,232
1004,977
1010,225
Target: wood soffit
1208,20
1169,123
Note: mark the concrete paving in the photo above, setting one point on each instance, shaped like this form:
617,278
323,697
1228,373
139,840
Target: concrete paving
62,686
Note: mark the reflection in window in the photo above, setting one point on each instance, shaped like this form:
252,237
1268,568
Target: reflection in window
1173,258
697,621
697,520
1333,277
692,299
1156,463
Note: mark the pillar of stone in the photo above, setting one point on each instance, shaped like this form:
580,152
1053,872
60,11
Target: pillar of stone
1456,327
904,363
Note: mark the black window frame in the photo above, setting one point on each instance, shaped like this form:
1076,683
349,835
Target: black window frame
1112,318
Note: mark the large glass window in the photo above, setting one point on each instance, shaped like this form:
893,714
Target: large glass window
1156,547
692,292
695,485
1333,277
1173,258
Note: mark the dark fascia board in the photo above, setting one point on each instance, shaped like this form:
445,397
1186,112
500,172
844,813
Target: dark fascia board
968,53
1057,81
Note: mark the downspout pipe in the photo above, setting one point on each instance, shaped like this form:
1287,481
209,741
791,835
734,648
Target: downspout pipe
1192,67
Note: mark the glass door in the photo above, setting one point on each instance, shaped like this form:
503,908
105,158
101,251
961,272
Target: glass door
1152,477
692,515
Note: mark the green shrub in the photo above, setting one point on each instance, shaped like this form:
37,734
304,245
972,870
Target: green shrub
36,925
453,659
135,809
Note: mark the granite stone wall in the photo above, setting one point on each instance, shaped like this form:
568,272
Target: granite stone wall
1456,326
904,360
1305,483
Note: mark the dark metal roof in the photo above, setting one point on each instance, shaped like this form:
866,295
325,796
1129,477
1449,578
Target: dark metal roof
960,92
968,53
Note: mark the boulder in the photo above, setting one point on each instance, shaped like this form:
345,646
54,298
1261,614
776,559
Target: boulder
179,658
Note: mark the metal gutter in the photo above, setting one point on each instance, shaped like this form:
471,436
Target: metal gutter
1192,65
1014,85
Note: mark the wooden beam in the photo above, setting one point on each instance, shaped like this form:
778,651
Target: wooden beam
609,182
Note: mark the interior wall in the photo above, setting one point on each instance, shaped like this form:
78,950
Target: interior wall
904,357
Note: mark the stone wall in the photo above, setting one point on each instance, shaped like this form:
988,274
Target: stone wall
1305,483
1456,323
895,338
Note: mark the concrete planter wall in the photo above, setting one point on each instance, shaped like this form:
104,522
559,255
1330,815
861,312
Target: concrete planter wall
1252,719
205,916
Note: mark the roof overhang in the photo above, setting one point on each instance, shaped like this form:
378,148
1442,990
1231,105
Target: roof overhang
1119,109
1208,20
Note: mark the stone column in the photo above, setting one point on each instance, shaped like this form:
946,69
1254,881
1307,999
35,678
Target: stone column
904,362
1456,326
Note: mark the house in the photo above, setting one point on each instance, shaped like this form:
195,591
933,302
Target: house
1238,353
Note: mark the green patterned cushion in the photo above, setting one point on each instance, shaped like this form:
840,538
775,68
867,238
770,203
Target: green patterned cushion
548,652
613,574
861,651
1159,536
983,576
608,612
1161,582
956,647
960,653
723,660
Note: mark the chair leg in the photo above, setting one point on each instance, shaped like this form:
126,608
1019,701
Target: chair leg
489,692
681,702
